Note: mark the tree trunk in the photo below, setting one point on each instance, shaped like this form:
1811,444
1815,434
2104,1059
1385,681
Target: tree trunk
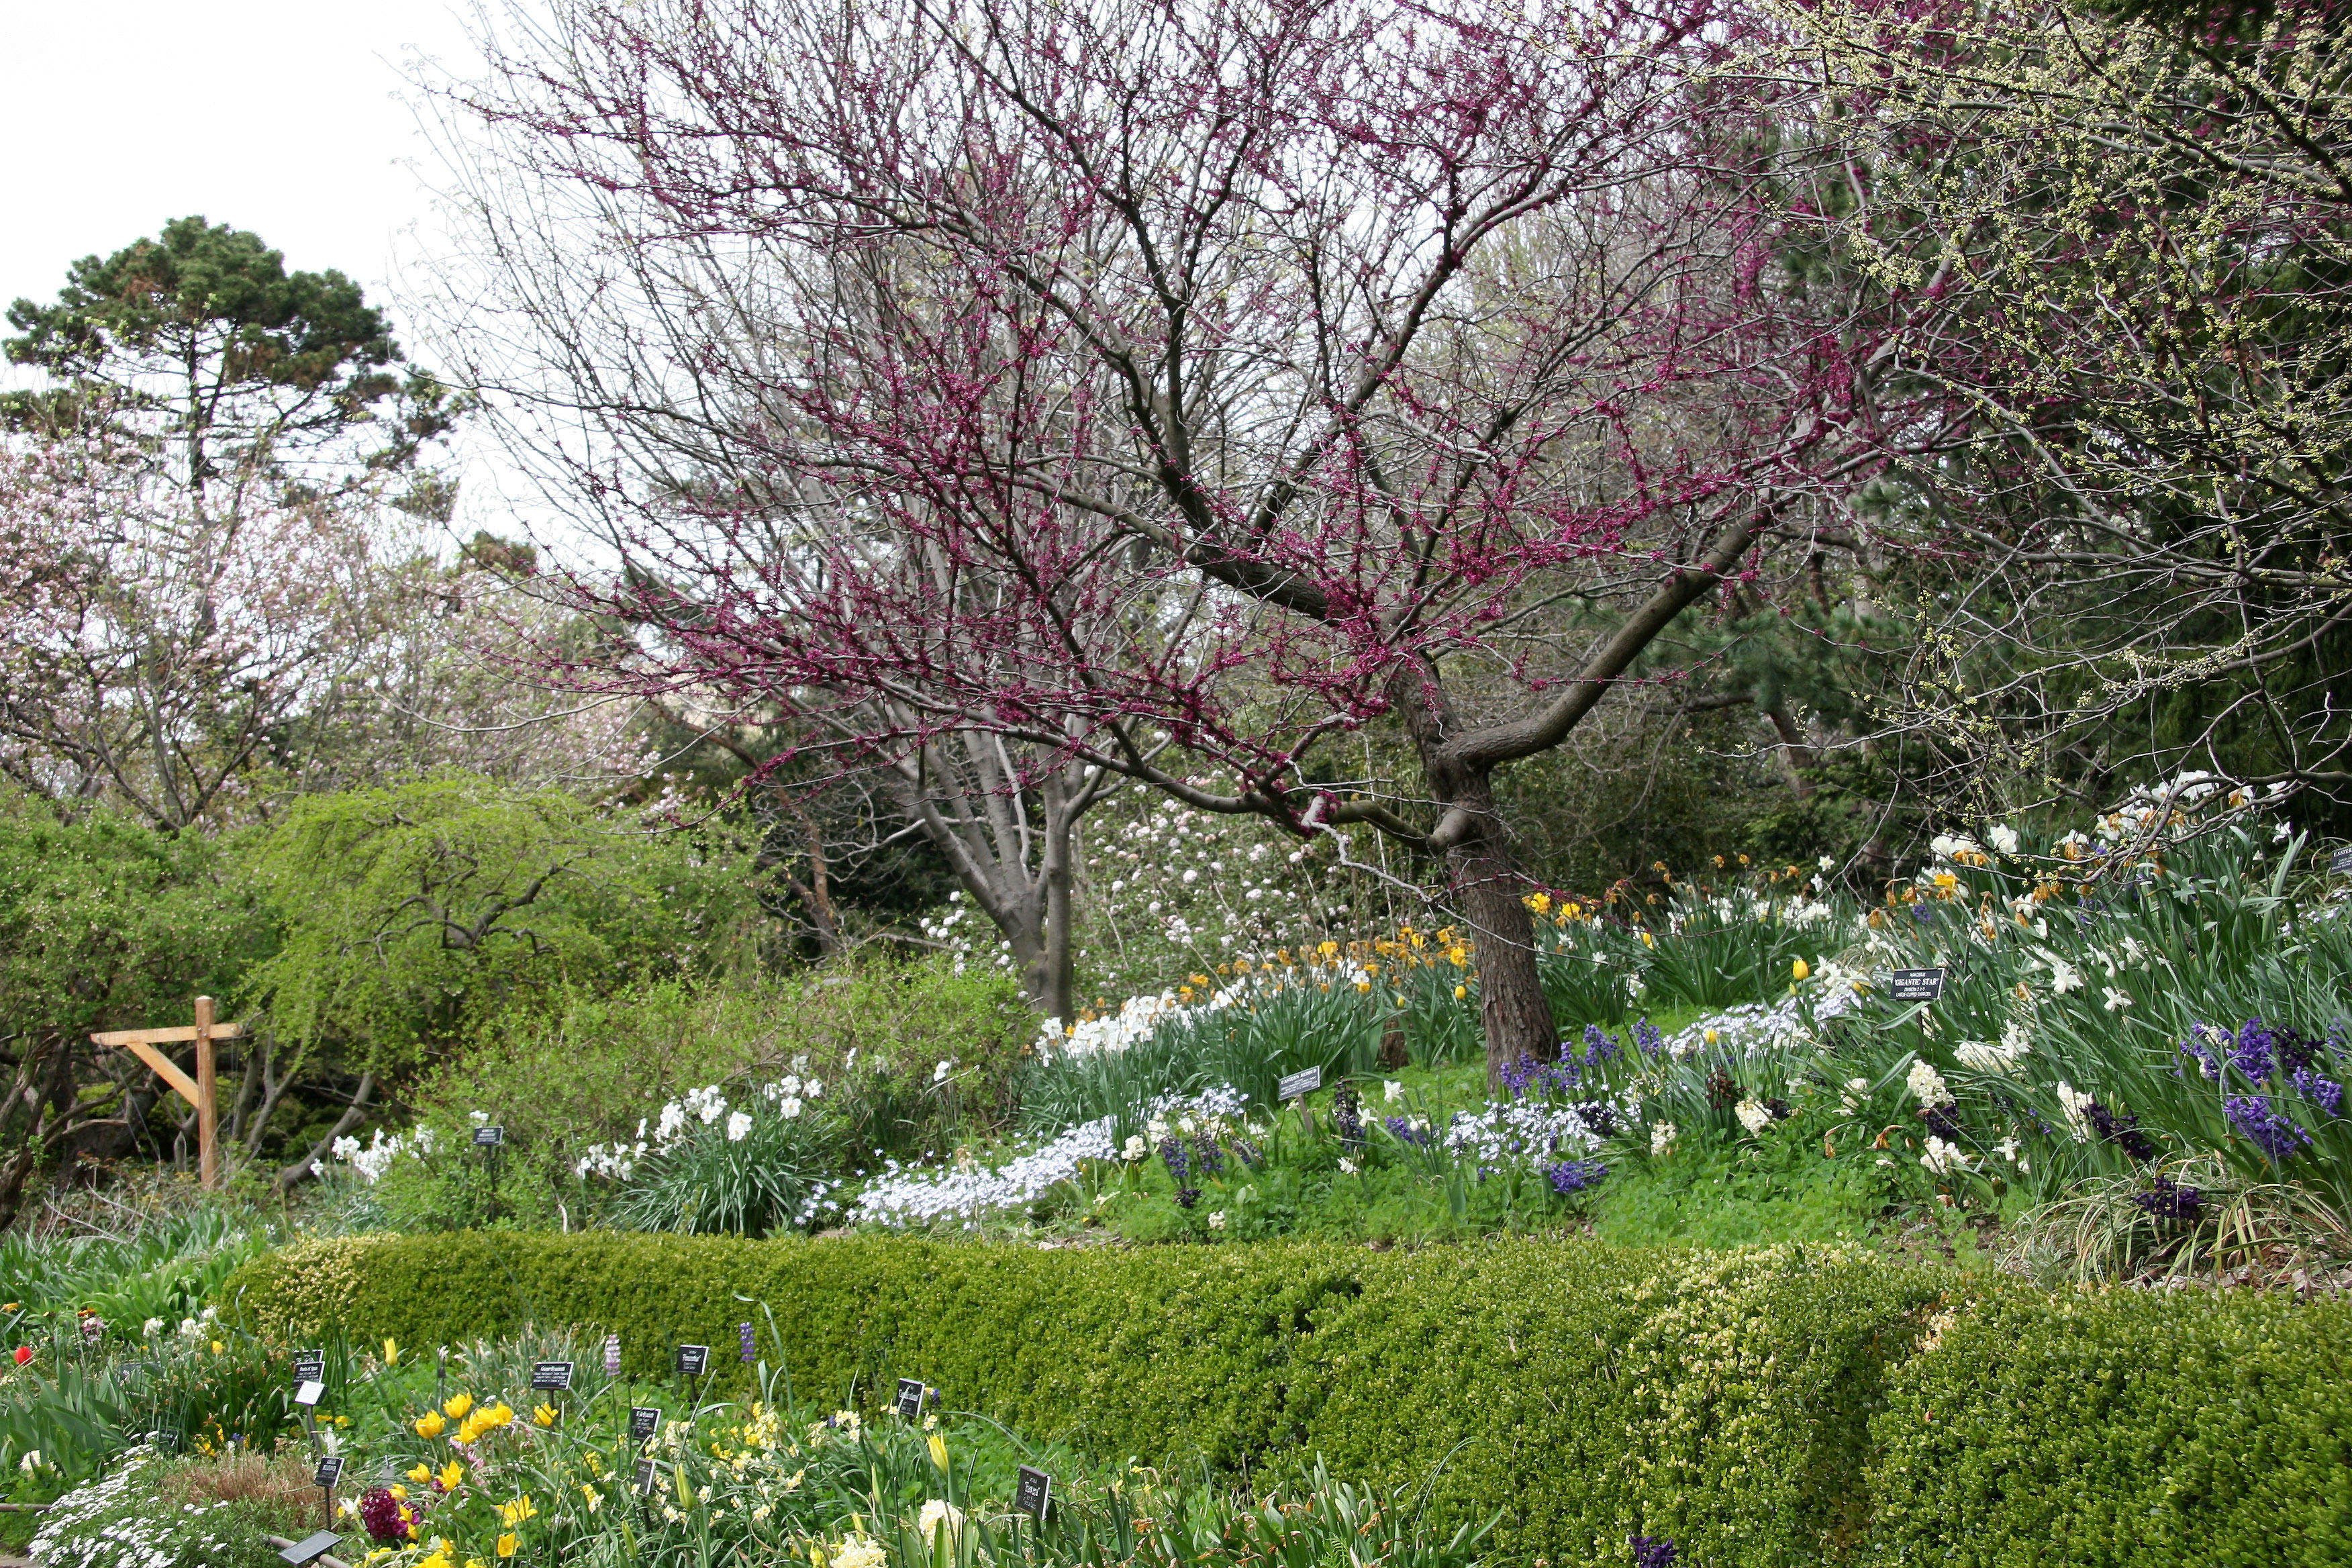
1489,888
295,1175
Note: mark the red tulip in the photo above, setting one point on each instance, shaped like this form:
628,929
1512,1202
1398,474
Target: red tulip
23,1354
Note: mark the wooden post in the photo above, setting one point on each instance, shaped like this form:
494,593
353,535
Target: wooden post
203,1092
207,1100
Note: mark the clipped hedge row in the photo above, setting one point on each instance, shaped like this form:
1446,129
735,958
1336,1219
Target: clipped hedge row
1776,1407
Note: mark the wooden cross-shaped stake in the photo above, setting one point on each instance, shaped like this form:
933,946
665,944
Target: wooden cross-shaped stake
203,1093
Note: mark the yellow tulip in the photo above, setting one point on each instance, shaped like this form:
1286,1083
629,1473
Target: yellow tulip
391,1353
1799,969
430,1424
515,1512
421,1474
939,1452
1461,991
452,1475
507,1544
457,1405
545,1414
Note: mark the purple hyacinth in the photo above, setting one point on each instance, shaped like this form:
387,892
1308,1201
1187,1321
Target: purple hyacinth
1404,1132
745,1341
1348,1116
1575,1175
2261,1124
2326,1093
2167,1200
2123,1131
1599,1045
1653,1552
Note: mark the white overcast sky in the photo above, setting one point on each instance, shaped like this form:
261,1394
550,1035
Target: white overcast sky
288,118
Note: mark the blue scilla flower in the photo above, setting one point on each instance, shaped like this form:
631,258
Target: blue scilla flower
1600,1046
1648,1038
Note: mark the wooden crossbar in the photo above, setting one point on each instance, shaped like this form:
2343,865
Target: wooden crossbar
202,1091
135,1037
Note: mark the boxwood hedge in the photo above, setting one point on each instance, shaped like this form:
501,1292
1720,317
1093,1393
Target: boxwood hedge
1773,1407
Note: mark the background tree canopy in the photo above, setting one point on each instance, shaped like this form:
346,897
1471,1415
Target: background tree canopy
410,912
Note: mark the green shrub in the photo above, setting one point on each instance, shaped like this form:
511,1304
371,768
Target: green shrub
1798,1405
1585,1392
2121,1427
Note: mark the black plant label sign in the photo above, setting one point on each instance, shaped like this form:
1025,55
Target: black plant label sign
489,1137
310,1366
551,1375
648,1474
1917,985
644,1420
1032,1493
1304,1082
910,1397
2341,862
330,1471
693,1359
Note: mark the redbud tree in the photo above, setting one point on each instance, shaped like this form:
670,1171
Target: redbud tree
1162,393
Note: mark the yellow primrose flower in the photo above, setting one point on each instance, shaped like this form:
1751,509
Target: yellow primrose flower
430,1424
457,1405
545,1414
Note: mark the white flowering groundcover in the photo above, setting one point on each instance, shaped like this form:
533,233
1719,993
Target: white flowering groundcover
119,1522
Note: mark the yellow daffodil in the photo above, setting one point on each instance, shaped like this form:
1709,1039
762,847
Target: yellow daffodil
545,1414
431,1424
457,1405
